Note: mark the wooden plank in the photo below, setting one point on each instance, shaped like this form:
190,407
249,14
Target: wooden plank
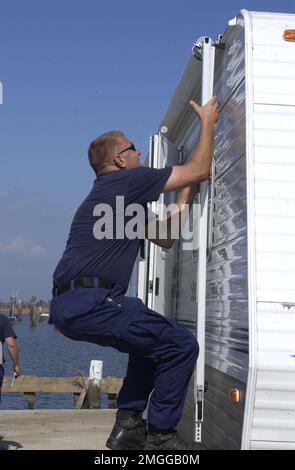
80,399
110,385
30,383
35,384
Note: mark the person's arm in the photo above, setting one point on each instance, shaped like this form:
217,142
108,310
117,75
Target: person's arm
162,227
198,168
13,352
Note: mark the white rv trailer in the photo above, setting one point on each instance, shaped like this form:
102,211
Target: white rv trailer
236,290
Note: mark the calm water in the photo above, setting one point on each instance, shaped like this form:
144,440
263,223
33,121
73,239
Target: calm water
46,352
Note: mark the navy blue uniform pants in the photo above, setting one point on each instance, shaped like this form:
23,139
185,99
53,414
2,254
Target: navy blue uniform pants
162,353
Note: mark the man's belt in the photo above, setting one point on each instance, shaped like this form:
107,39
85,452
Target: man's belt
79,283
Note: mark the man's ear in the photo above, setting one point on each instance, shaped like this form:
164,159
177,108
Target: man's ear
120,161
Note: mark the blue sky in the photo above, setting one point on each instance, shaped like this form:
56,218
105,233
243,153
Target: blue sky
71,70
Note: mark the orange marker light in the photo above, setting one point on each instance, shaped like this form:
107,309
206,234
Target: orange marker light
234,395
289,35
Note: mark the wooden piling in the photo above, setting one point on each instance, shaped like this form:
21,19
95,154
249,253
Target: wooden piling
19,310
30,399
33,302
112,400
12,308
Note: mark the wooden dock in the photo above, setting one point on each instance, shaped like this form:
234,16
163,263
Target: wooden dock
55,429
86,427
86,395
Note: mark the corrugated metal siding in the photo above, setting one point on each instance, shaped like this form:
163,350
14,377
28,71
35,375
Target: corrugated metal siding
227,319
230,210
273,423
227,268
230,131
224,420
227,322
230,63
227,287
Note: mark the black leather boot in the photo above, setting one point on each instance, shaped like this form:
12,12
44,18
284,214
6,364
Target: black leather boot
129,431
165,441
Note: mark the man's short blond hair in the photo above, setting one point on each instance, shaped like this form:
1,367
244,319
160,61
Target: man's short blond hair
101,150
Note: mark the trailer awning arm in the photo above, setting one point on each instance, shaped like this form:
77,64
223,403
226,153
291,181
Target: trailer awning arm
205,50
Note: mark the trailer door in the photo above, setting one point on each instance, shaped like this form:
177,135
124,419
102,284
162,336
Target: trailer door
161,273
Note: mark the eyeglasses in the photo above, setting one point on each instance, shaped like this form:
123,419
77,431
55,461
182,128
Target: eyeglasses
131,147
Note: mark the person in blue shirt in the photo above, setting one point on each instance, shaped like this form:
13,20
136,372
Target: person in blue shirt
92,276
8,337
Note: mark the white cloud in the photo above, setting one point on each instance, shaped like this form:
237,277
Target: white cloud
22,246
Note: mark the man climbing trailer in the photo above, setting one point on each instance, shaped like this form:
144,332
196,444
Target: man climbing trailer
91,279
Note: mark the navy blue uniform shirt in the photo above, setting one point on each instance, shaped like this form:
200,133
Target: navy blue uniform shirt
6,331
110,259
